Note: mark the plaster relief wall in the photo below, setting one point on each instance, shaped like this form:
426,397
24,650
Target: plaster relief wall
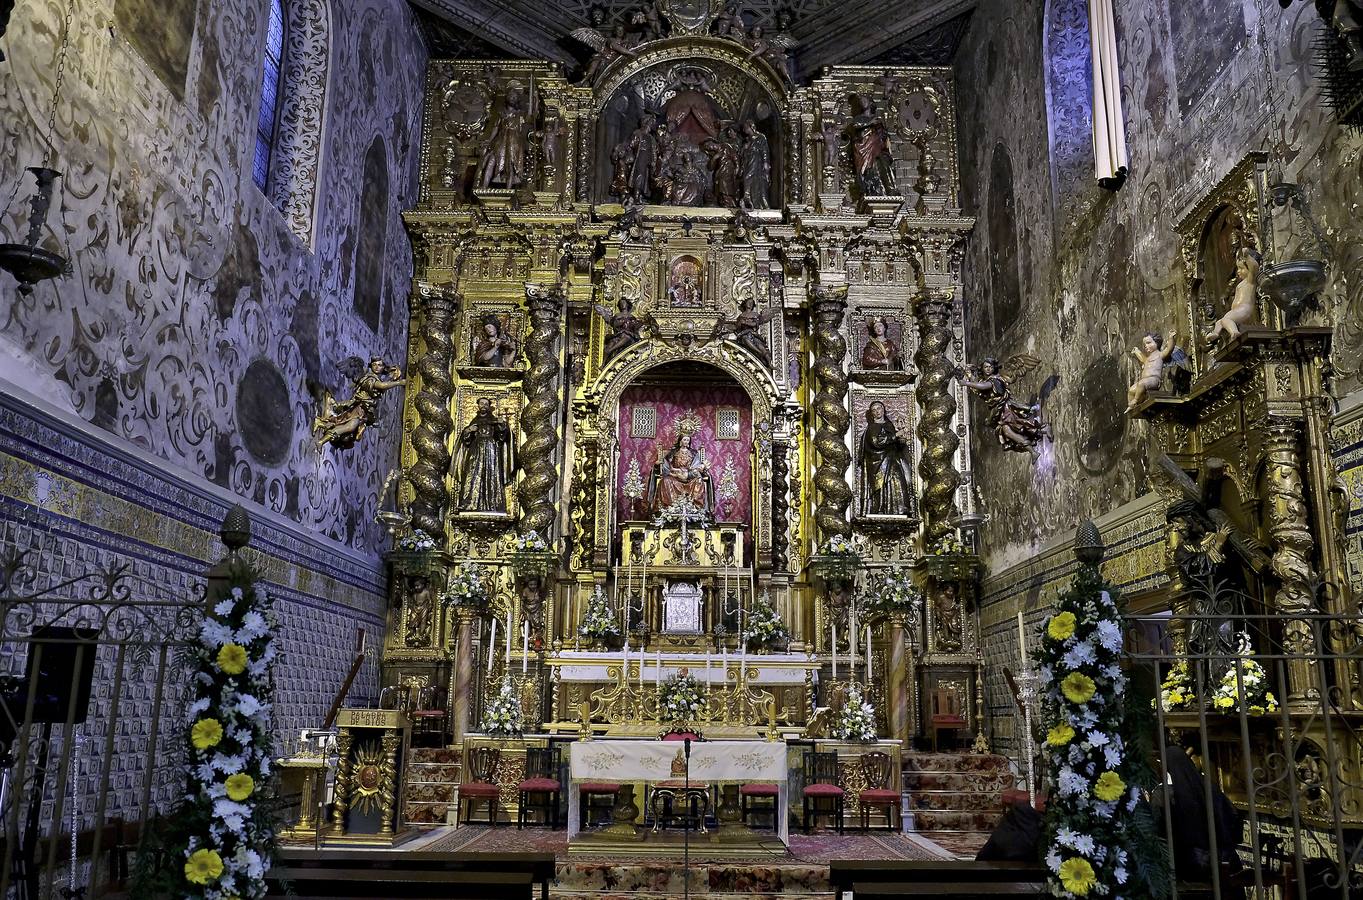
195,313
1096,269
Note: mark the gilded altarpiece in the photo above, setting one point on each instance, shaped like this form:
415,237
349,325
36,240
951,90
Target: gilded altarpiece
685,377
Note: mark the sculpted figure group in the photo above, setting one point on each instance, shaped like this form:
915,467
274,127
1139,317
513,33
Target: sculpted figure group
687,157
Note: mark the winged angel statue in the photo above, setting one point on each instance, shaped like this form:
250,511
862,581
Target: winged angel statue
1020,427
608,46
342,424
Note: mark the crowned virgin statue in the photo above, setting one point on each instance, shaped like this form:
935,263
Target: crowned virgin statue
682,476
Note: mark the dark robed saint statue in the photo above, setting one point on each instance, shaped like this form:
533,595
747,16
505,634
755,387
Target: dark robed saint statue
485,462
885,468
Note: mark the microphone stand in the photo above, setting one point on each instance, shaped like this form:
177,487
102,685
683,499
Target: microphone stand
686,833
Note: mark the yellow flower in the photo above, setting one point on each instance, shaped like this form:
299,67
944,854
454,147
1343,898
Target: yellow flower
1175,698
1077,687
240,786
1060,735
203,867
1256,710
206,733
1077,876
1109,787
232,659
1225,702
1061,626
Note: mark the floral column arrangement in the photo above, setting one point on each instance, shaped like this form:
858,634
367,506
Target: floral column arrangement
1093,813
230,838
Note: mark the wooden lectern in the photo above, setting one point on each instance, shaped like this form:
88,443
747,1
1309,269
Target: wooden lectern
372,748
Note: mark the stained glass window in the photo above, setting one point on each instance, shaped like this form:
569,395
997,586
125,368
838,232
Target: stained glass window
268,116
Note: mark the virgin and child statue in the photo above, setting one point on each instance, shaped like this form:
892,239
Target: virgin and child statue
681,479
883,460
484,462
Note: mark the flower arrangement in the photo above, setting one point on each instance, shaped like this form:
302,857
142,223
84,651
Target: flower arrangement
764,627
1177,691
598,620
230,838
1093,822
530,542
417,541
836,560
840,545
857,721
949,545
502,717
679,699
466,587
895,592
1245,675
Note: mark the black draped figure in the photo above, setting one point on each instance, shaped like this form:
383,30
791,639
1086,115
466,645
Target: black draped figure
885,469
485,462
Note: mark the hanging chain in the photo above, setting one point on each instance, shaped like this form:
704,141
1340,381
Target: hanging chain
1275,157
57,89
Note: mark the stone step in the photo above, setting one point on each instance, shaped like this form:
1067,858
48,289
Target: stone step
957,801
415,812
420,755
975,782
955,820
671,895
953,762
707,879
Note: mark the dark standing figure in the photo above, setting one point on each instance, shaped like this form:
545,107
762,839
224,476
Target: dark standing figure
724,165
884,468
872,163
485,461
756,168
643,144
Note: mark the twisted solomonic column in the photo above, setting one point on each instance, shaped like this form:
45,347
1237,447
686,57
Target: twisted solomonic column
780,505
540,434
430,438
1293,547
834,494
936,422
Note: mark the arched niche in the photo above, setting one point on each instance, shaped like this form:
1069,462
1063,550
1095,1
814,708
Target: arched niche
296,167
699,83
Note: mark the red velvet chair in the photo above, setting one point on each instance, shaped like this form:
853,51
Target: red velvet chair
482,786
876,769
769,798
822,796
589,791
428,717
540,789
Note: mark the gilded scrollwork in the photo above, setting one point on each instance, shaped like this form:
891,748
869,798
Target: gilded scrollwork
830,410
540,442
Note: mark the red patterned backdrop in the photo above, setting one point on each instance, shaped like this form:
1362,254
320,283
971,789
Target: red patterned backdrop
671,403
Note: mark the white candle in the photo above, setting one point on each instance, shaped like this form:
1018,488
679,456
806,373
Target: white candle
508,642
525,647
492,645
1022,639
868,654
643,588
833,628
641,668
853,642
707,671
658,669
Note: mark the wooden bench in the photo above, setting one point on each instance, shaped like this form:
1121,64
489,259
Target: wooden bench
860,875
415,874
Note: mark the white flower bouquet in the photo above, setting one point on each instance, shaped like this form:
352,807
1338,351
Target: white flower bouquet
1244,685
857,721
764,627
467,587
895,592
417,541
502,717
680,699
598,620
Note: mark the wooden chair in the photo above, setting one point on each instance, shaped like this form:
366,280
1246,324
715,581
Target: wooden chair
482,766
428,716
541,788
591,793
876,770
821,787
946,714
768,795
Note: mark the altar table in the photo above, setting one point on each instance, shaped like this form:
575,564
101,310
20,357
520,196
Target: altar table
712,762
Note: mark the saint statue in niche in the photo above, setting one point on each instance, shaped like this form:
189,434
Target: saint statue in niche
756,168
745,328
485,462
869,143
626,327
682,476
724,163
883,460
880,353
503,150
493,347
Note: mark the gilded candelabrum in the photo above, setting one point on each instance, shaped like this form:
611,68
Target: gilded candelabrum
830,410
540,435
430,438
936,422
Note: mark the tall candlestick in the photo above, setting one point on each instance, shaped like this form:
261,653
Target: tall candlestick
643,587
1022,640
707,671
853,641
641,669
525,647
833,628
492,645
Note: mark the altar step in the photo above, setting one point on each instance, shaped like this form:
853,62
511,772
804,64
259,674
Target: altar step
956,798
663,881
428,793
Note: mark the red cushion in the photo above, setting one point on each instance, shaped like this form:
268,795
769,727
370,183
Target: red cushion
878,795
538,784
479,789
599,787
824,790
948,720
681,736
682,784
759,790
428,714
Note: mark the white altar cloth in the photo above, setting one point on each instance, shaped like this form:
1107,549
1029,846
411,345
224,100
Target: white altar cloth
764,669
712,762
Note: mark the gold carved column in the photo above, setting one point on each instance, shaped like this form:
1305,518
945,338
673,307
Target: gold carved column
430,438
463,672
834,494
936,423
897,687
540,434
1293,546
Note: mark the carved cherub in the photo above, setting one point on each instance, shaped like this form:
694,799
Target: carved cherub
1242,306
744,328
608,48
1019,427
342,424
1154,355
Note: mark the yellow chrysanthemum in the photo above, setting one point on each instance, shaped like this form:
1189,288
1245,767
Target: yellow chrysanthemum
240,786
1109,787
1061,626
1077,687
232,659
203,867
1256,710
1076,875
206,733
1225,702
1060,735
1175,697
